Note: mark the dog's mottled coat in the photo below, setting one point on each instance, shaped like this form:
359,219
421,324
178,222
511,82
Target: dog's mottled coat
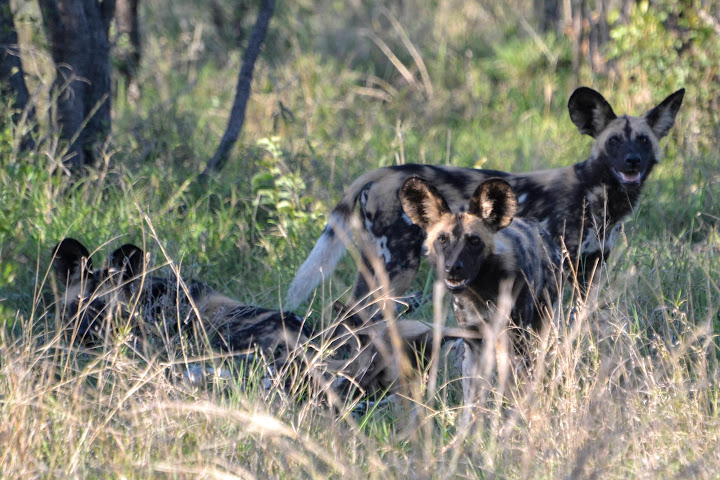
476,250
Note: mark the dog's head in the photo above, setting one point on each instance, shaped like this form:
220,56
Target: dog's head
626,148
459,245
93,295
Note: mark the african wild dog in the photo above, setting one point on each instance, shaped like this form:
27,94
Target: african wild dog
94,298
482,254
92,295
475,251
581,205
374,367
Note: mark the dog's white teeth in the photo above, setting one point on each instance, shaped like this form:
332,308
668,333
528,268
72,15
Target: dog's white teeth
454,283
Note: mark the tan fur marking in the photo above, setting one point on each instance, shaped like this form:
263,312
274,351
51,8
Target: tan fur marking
215,306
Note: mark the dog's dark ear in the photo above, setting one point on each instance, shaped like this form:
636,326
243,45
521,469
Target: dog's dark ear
422,202
70,258
589,111
495,202
128,259
662,118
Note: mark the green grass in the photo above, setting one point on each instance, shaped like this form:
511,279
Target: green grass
628,390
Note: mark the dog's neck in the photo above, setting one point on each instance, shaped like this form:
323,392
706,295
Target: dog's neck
606,198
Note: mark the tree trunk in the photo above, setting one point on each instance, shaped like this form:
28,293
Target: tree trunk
128,52
547,15
12,78
577,37
599,36
80,48
242,94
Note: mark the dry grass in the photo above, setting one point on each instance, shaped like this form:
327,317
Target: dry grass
605,399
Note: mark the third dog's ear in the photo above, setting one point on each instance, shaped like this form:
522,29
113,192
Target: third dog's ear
128,259
662,118
422,202
589,111
70,258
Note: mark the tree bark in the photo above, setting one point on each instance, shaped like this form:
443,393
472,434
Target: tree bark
12,77
242,94
80,48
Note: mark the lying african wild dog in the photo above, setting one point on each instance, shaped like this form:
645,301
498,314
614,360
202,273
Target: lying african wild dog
375,366
482,254
582,206
94,297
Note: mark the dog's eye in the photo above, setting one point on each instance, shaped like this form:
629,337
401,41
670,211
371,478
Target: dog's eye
643,139
474,240
442,238
613,141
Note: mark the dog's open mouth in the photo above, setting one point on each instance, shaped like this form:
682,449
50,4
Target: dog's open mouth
628,178
456,285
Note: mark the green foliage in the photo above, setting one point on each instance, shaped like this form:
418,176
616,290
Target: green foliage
646,32
282,206
670,45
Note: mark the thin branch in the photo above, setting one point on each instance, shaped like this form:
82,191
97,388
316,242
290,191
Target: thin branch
237,115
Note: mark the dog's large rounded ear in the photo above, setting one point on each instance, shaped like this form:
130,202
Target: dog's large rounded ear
128,259
70,258
662,118
589,111
495,202
422,202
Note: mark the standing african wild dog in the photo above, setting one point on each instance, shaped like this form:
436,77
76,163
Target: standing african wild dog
581,205
475,251
482,254
93,298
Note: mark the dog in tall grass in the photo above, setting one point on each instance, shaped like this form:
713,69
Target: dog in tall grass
484,254
96,298
581,206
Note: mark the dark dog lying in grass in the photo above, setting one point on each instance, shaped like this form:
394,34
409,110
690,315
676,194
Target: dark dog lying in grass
96,299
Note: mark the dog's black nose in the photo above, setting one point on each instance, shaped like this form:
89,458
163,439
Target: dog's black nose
632,160
453,268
